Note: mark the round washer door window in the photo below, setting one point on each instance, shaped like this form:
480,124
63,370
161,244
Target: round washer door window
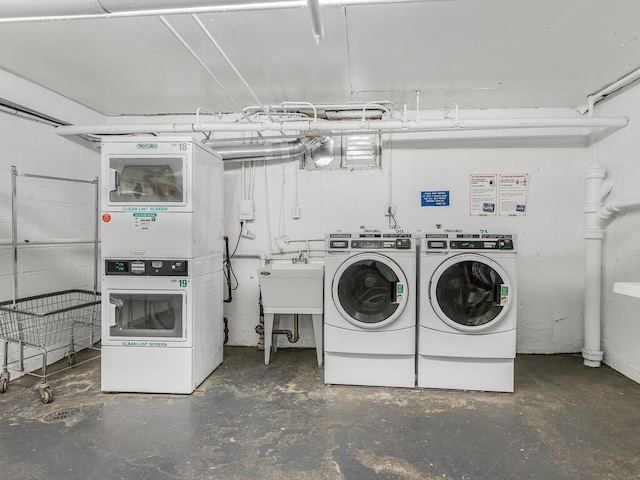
370,290
470,292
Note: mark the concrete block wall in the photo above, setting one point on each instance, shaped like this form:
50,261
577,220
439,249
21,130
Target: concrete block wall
47,211
551,249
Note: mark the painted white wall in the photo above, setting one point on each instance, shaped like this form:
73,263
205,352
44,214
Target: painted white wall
47,210
551,265
621,257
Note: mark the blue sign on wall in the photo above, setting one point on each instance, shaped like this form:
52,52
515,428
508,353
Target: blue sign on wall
435,198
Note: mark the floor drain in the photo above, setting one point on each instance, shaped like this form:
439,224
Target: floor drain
60,415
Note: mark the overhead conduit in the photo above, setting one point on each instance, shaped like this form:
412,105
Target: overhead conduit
344,126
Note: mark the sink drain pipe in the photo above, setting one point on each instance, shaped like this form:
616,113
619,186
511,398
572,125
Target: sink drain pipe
293,337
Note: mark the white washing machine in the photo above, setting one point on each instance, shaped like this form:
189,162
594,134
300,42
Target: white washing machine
161,197
467,311
161,324
370,309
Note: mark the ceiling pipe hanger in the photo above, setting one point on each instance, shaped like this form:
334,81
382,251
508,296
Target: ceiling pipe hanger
316,20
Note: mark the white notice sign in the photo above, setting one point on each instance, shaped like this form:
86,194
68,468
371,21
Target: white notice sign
483,195
513,194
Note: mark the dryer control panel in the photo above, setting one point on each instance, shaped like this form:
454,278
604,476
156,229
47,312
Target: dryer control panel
148,268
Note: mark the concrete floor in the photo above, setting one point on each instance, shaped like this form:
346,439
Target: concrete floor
251,421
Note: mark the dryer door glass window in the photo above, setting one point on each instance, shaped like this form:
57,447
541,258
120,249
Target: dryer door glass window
367,291
147,315
146,180
468,293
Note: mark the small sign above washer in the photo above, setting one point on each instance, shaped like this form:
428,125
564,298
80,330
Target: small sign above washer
435,198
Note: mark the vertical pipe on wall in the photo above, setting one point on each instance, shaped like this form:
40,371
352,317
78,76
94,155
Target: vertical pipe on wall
593,235
14,231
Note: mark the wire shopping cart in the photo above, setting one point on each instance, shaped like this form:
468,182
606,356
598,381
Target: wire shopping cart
42,322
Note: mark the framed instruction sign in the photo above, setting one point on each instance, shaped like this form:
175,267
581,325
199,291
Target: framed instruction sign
483,195
513,194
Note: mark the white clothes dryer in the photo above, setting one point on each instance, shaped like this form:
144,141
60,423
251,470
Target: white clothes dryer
162,324
369,312
162,197
467,311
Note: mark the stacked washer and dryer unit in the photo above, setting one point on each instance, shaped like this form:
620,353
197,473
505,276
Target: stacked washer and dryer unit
437,310
162,285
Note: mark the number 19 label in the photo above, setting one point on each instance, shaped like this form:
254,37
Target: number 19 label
183,283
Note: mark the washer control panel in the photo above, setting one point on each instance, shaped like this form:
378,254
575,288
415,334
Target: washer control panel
442,242
148,268
499,244
370,241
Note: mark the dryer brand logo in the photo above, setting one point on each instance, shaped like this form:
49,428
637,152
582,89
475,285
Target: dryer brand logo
147,146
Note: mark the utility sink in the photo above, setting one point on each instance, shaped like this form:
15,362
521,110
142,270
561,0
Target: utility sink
292,287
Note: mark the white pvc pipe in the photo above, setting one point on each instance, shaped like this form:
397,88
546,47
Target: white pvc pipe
593,234
615,86
348,125
616,205
596,213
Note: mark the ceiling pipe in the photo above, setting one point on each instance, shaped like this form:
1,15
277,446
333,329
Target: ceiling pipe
217,46
612,88
198,59
19,11
340,126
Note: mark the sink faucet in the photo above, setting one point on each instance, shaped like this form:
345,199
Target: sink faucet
300,258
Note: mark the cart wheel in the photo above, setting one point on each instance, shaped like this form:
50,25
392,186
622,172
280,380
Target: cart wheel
71,358
4,384
46,395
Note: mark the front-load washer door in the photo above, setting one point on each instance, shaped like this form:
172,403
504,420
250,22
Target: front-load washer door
370,290
470,292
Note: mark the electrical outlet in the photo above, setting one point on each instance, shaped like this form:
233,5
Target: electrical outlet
295,212
245,209
389,209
